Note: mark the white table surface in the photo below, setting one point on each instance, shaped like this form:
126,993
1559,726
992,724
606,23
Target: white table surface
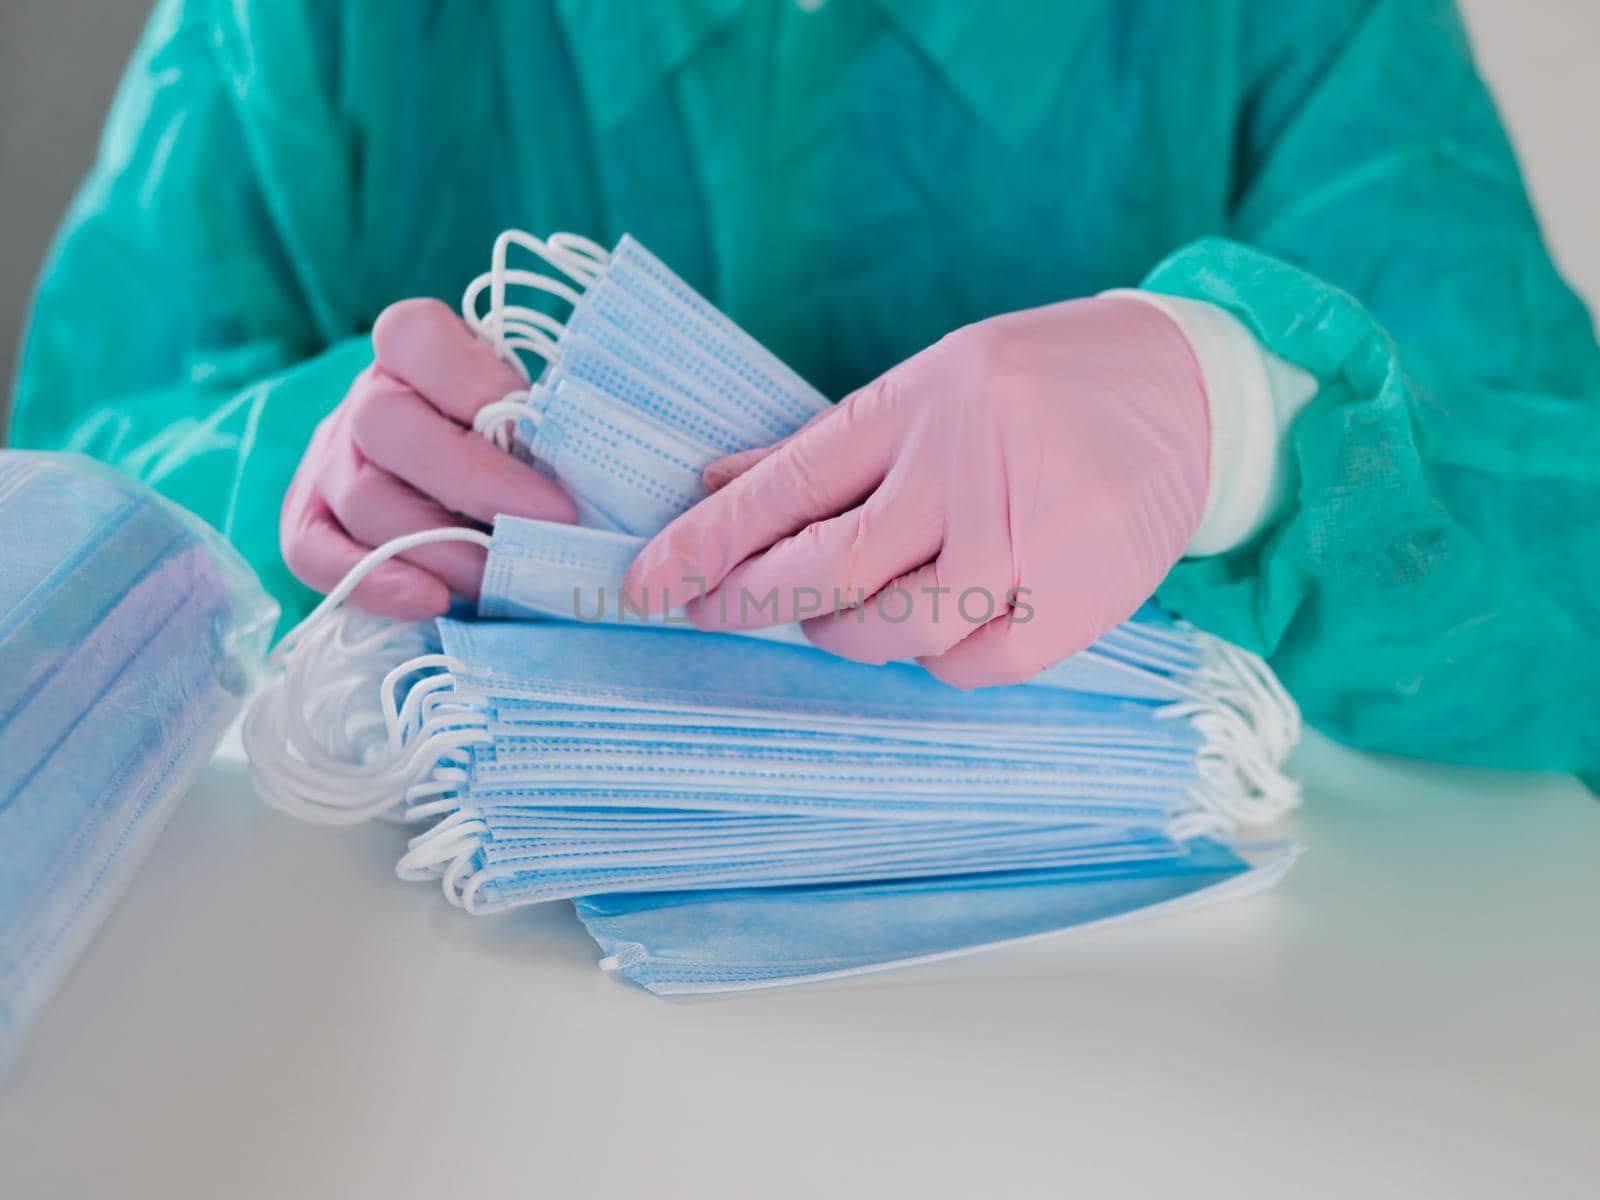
1413,1013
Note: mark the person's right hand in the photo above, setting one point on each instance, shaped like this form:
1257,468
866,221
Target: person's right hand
399,455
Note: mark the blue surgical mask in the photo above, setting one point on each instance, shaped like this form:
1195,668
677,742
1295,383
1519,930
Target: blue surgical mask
129,635
656,390
645,383
568,572
642,333
638,295
506,874
866,772
546,569
692,942
702,676
625,471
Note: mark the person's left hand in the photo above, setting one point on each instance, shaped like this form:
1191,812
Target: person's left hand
999,500
399,456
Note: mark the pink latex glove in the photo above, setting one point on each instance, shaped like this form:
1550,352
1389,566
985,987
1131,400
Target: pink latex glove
399,455
1057,457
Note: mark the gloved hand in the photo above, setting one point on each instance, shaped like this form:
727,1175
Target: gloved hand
1026,483
399,455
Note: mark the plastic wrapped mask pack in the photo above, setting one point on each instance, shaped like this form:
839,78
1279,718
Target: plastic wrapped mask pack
130,635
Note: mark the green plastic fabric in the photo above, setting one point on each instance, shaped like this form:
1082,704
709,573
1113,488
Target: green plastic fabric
853,183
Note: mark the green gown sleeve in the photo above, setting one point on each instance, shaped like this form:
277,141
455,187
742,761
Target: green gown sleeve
1430,587
192,324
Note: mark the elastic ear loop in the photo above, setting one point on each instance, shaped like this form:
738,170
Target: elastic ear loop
501,322
298,766
1244,682
368,563
325,697
1240,749
309,790
317,785
495,421
454,839
509,327
399,720
580,252
464,893
1247,709
1250,786
275,764
445,787
1198,824
335,805
516,326
378,644
575,256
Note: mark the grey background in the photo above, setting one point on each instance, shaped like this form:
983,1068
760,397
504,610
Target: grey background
60,60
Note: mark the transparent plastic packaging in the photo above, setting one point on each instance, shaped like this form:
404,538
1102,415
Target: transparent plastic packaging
131,635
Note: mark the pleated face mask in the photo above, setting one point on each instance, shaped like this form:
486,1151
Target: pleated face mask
624,472
642,385
507,730
726,940
571,573
129,635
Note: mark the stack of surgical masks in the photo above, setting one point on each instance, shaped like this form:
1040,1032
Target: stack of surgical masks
130,635
734,811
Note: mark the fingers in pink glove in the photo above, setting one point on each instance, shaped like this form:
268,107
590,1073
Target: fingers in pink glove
398,456
395,428
1063,608
730,466
832,564
1050,464
374,507
928,610
826,468
425,345
1009,649
319,553
434,376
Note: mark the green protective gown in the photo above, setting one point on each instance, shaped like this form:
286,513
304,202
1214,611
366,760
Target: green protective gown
851,184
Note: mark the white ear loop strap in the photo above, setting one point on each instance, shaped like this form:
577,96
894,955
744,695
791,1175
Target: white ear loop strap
513,328
370,562
504,324
497,420
325,739
509,328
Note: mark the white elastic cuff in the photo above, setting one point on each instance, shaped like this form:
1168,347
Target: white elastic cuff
1253,396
